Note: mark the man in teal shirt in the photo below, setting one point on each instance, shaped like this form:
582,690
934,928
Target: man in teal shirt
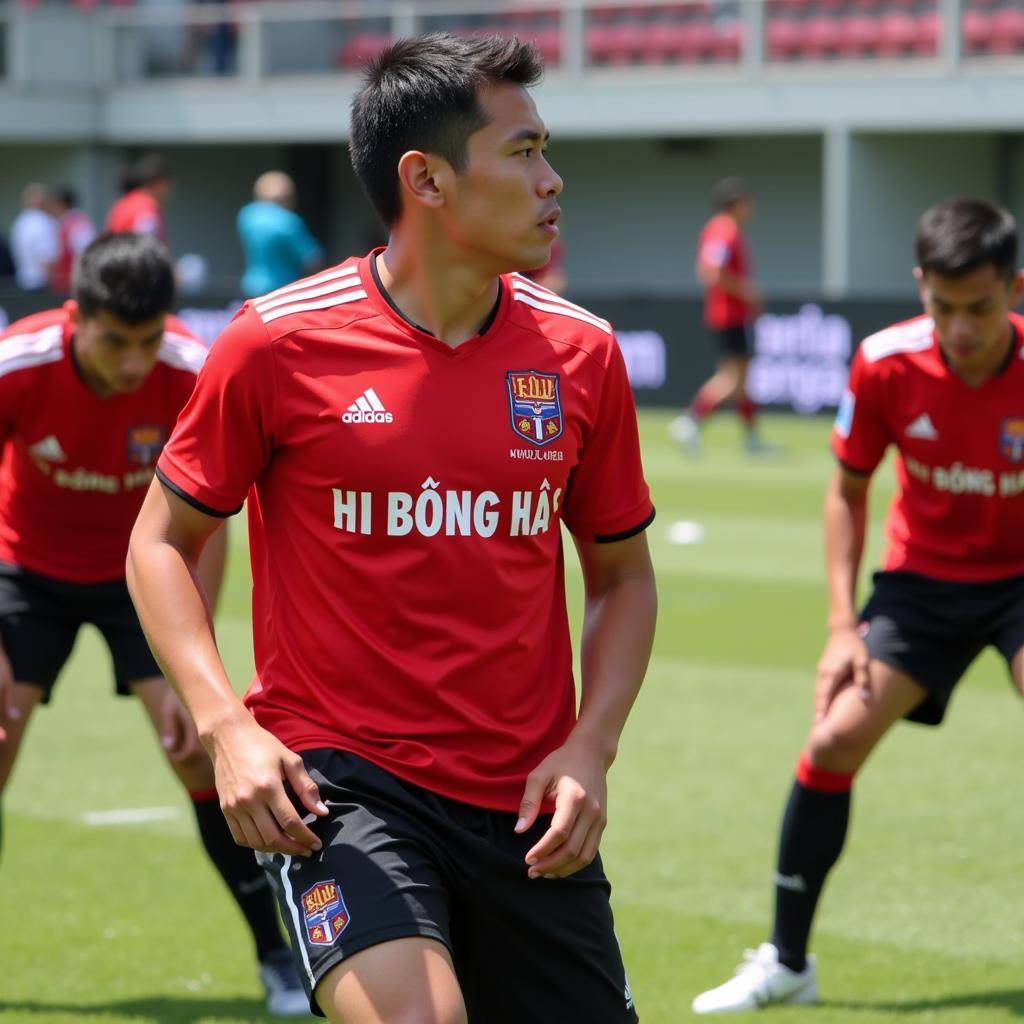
278,246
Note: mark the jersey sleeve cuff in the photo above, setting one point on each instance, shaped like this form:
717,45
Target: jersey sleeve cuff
191,499
851,468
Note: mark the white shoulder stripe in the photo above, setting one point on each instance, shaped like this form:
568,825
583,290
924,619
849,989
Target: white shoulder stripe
20,351
302,307
915,336
334,274
265,305
520,283
182,352
574,312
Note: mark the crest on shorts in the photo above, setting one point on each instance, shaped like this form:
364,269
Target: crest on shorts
145,443
1011,438
535,404
324,910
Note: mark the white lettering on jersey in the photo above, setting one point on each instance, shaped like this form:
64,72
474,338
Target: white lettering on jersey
367,408
922,428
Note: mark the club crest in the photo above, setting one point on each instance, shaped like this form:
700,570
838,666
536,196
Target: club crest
535,405
145,444
325,913
1011,438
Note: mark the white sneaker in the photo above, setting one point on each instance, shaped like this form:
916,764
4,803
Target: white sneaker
285,995
685,431
760,981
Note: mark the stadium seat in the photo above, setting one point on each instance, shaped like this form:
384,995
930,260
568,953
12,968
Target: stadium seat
976,31
726,41
858,35
897,34
360,48
929,29
1007,25
820,37
783,38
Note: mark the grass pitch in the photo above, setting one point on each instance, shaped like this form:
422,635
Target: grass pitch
127,923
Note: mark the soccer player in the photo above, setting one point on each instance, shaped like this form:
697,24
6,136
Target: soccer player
411,429
88,395
947,390
149,185
732,301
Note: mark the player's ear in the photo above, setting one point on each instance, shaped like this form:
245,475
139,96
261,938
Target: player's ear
921,289
420,177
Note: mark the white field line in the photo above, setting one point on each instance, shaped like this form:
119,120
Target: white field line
130,815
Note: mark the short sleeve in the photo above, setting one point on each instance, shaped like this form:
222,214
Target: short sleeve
716,247
860,433
224,436
608,498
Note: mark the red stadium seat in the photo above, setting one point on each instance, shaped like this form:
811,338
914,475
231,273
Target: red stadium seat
897,34
362,47
726,41
820,37
783,38
1007,30
858,35
929,29
976,28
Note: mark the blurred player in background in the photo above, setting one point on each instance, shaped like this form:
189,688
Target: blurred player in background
414,426
34,240
277,244
148,185
75,230
947,390
88,395
732,301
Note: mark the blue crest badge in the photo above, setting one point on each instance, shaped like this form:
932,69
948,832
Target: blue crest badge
535,404
325,913
1011,438
145,444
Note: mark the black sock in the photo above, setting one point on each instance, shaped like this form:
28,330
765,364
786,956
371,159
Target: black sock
244,877
813,831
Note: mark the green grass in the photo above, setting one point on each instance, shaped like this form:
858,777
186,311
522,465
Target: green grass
923,920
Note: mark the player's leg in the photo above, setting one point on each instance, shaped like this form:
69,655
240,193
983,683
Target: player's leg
369,915
363,989
136,672
717,389
25,698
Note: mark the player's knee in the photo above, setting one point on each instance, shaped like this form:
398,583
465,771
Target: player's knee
837,747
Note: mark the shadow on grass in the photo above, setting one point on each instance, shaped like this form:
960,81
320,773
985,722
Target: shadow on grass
1011,999
157,1009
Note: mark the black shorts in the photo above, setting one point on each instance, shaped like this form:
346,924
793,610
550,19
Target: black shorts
39,620
933,629
399,861
732,341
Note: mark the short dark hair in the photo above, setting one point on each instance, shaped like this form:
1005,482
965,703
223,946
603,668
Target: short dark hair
958,236
128,275
144,171
423,93
728,192
65,195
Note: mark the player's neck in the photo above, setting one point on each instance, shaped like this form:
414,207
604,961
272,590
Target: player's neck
450,300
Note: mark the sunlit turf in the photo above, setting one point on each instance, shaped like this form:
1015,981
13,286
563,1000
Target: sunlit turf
922,921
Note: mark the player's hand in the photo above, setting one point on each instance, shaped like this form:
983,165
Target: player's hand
251,767
575,777
8,709
843,663
177,730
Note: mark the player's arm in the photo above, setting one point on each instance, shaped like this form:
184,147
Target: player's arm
844,661
250,764
618,631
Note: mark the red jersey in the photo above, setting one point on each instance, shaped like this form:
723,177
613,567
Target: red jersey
722,244
75,232
75,466
139,212
405,501
959,506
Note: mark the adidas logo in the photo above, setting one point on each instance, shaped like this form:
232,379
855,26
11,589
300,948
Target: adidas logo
922,428
794,883
49,449
367,408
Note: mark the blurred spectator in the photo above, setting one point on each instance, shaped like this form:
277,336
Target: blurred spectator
277,244
34,240
75,231
552,274
6,260
148,186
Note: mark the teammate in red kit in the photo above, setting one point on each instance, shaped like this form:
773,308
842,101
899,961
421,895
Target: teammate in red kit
411,428
88,396
947,390
732,301
141,209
